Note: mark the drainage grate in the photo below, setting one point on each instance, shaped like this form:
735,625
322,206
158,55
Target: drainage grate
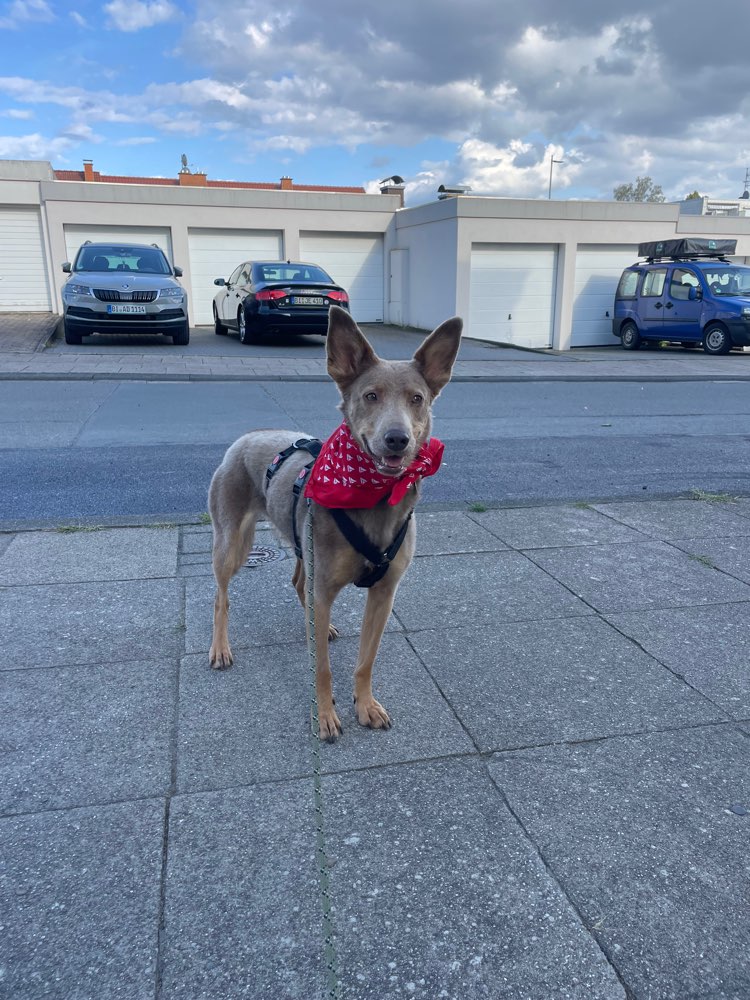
263,554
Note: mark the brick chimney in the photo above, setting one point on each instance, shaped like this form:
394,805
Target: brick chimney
192,180
286,184
393,185
88,170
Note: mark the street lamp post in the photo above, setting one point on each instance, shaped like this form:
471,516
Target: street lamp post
552,161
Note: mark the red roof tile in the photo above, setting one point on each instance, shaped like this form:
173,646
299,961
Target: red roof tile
78,175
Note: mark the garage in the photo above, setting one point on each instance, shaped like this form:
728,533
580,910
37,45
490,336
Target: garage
598,270
356,263
24,286
512,293
76,235
215,253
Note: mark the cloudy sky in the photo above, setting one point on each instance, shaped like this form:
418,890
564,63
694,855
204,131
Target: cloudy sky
482,92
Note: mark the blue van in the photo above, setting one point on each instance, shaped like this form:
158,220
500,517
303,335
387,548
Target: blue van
687,292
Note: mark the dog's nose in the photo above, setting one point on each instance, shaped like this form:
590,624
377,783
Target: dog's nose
396,439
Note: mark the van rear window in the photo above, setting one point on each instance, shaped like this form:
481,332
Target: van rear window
653,283
628,285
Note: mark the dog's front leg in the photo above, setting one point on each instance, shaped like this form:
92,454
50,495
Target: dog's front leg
379,605
330,725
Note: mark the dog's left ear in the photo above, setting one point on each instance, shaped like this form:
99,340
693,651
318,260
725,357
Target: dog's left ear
435,357
349,354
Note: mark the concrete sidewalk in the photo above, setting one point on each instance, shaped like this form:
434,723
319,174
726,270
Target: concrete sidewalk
561,809
157,360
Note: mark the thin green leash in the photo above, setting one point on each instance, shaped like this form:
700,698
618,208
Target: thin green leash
333,991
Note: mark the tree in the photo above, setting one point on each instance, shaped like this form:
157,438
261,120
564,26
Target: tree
643,189
693,196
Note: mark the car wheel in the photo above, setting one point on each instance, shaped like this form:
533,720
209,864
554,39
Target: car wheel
71,336
182,337
631,339
246,334
219,329
716,340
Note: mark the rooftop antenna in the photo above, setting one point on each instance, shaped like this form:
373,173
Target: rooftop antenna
184,169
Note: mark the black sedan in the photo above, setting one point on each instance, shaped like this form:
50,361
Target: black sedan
276,296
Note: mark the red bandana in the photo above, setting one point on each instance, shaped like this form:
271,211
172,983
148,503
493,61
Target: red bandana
344,476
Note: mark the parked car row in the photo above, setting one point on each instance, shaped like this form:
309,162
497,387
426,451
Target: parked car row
132,288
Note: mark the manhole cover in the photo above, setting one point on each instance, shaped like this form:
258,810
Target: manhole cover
262,554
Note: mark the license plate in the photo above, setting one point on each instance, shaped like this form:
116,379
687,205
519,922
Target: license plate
123,308
308,300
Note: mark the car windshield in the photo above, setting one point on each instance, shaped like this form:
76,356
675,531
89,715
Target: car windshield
122,258
289,272
728,280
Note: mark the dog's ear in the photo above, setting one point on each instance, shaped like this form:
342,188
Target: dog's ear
435,357
349,354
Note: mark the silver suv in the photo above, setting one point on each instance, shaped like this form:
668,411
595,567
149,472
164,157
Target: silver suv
123,288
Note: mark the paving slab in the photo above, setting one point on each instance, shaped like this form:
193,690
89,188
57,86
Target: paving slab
82,735
707,646
439,894
667,519
5,540
81,555
613,578
545,682
453,531
44,626
242,912
79,892
252,723
731,555
641,834
544,527
264,609
480,589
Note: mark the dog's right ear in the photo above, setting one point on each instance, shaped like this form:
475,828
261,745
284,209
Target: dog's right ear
349,354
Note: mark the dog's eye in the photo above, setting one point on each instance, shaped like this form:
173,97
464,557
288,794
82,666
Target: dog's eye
417,398
371,397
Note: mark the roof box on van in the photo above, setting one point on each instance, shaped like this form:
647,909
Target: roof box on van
688,247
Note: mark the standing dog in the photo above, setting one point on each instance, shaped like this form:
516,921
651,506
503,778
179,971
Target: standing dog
387,421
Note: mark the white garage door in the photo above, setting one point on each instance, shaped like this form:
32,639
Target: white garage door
215,253
23,273
512,294
76,235
355,263
598,270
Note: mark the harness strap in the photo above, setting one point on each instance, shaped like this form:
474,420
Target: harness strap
299,485
311,445
360,542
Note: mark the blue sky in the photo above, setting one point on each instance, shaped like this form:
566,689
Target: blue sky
481,93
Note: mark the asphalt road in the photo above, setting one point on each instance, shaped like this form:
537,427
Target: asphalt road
109,449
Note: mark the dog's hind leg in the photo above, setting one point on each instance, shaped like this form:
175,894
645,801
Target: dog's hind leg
299,581
370,712
234,530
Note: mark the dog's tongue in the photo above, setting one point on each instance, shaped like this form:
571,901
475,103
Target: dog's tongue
392,461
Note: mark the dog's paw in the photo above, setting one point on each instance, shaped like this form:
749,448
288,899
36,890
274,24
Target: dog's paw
220,657
330,726
333,632
371,713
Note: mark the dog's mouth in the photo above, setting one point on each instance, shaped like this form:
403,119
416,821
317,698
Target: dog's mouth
388,464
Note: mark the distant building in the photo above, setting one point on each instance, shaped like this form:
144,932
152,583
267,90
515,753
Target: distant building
736,207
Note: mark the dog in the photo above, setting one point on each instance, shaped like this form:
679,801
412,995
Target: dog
387,409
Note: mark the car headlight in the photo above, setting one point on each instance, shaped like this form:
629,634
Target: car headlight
174,293
73,289
746,312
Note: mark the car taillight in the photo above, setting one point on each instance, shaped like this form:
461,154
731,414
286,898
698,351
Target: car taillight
338,296
270,295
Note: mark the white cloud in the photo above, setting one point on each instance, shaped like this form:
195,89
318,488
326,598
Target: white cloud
136,140
35,146
133,15
19,113
79,19
20,12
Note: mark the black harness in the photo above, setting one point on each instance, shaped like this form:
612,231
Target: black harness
351,531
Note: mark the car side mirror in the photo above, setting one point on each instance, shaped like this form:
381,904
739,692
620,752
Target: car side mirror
695,294
177,272
67,267
219,281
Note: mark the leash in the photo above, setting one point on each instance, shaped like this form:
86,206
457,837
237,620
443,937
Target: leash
329,948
